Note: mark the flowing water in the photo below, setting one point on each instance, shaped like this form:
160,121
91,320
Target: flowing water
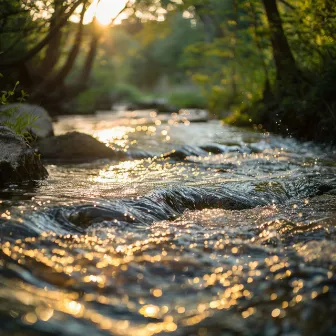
203,229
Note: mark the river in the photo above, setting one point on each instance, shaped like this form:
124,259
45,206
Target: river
204,229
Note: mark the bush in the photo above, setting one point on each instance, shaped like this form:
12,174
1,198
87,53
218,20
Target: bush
187,99
85,102
127,93
306,110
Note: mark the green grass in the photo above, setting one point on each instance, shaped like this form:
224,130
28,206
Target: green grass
21,122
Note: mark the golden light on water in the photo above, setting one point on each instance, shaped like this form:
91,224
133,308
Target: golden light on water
198,270
114,136
73,308
120,172
150,311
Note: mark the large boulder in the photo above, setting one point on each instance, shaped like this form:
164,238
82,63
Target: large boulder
42,127
18,161
75,147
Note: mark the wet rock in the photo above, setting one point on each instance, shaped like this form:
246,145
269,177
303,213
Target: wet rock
219,149
75,146
170,203
87,215
139,154
332,192
185,151
18,161
42,127
328,186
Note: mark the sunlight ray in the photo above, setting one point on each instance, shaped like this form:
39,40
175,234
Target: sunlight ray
105,11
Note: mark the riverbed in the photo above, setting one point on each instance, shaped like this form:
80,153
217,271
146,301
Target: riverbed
203,229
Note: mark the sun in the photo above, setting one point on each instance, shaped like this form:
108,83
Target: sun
104,10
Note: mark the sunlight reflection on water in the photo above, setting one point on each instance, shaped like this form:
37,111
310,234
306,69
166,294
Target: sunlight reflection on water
114,137
236,243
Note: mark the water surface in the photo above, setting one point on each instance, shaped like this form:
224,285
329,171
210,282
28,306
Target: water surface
203,229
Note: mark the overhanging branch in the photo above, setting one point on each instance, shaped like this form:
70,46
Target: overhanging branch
32,52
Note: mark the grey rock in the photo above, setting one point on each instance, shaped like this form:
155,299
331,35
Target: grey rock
75,147
185,151
18,161
42,127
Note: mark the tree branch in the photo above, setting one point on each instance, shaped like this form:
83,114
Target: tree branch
32,52
53,50
51,83
287,4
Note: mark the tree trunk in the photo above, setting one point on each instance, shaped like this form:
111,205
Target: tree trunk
254,18
57,80
90,58
63,94
53,50
286,68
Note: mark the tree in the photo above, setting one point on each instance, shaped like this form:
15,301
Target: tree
41,67
286,68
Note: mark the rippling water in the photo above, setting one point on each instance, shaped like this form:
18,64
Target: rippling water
204,230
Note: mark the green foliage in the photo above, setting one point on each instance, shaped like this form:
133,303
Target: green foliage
227,66
302,103
229,49
160,51
6,95
127,93
187,99
139,61
86,101
310,114
21,122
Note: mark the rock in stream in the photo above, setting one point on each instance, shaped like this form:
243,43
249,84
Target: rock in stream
18,161
74,146
41,125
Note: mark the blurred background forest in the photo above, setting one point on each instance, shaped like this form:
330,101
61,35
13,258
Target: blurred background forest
268,63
